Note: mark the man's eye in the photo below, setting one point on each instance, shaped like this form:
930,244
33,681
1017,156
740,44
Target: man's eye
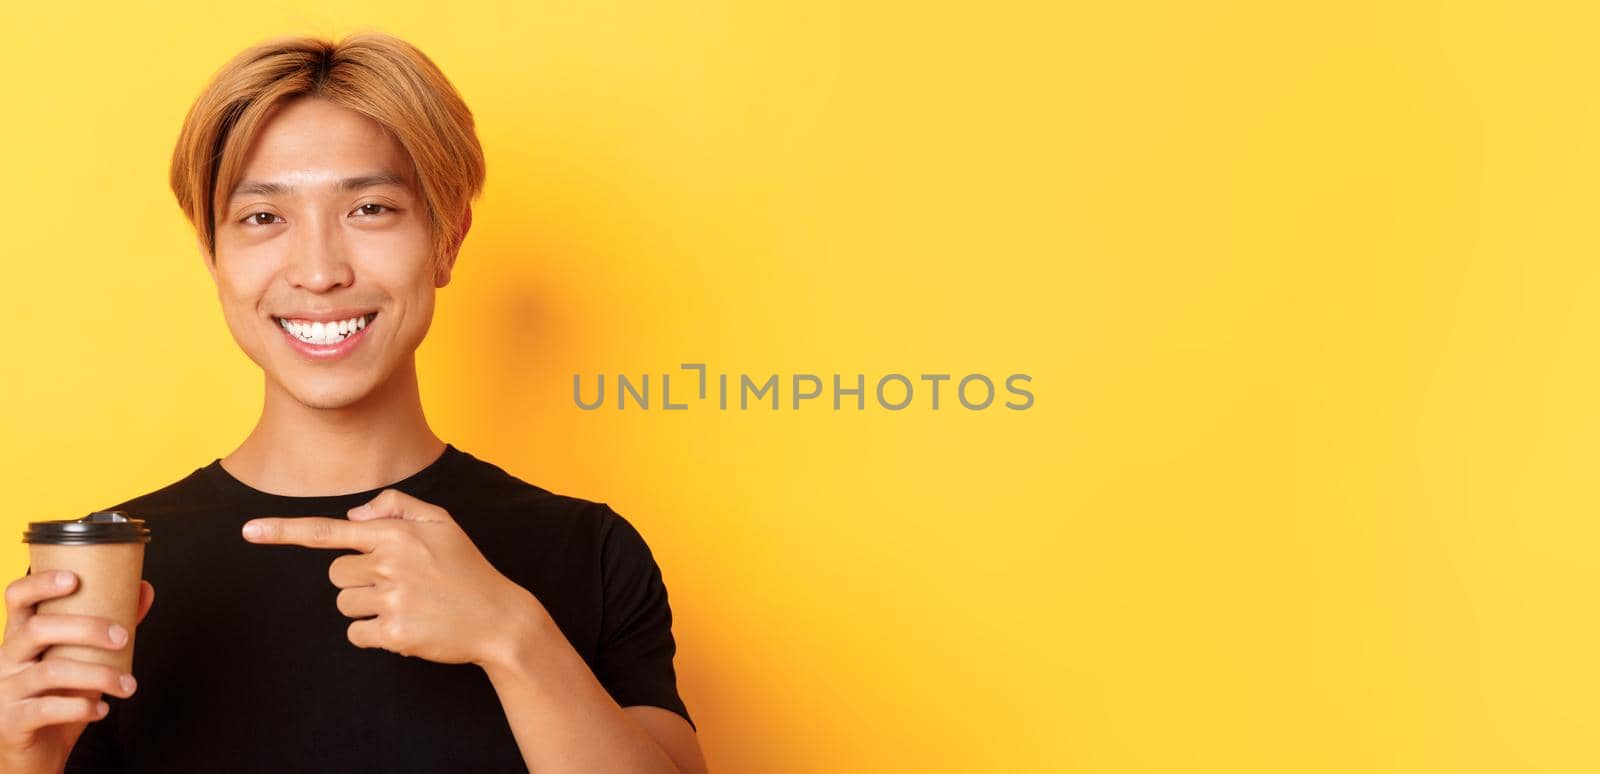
371,209
260,218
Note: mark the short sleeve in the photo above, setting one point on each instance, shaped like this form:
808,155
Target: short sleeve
634,658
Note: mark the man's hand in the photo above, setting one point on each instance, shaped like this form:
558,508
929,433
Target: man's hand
45,704
419,586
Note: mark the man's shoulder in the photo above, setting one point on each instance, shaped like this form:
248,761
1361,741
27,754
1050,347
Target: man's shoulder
486,483
183,494
481,488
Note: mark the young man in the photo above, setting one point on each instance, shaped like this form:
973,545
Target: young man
345,591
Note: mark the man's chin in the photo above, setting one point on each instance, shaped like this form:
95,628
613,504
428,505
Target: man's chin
328,396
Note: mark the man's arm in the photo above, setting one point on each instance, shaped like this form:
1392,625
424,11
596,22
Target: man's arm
563,718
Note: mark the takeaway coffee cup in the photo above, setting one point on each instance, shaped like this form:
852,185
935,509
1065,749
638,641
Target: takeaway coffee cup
106,550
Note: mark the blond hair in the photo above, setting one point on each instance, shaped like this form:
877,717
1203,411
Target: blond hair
379,76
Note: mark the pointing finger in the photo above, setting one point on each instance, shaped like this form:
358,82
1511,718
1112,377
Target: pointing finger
313,532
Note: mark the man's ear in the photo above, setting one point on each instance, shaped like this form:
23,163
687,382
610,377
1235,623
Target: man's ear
441,276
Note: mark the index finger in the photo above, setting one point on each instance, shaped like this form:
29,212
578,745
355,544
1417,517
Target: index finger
313,532
31,589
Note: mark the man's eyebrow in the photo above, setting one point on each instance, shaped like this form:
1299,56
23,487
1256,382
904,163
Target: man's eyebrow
270,188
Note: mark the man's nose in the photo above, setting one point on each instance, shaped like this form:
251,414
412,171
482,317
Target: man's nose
318,259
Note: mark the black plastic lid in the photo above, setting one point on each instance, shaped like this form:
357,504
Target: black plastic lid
95,529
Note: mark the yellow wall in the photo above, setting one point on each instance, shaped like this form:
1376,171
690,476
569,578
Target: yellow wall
1307,296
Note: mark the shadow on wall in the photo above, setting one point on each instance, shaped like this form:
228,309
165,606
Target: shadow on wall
539,294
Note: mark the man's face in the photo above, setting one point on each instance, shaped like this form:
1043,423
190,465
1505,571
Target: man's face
322,259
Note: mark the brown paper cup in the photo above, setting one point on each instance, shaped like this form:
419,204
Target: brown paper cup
106,551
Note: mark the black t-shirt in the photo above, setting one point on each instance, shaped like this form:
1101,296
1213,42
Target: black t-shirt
243,662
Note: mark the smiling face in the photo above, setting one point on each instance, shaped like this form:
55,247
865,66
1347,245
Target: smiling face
323,254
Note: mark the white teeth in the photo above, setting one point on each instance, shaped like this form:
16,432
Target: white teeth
323,333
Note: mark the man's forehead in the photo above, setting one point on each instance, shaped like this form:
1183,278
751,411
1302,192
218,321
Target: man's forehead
318,179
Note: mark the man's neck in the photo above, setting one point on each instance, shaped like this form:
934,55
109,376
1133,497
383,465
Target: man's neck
301,451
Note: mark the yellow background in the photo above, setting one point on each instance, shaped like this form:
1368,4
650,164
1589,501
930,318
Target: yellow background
1307,295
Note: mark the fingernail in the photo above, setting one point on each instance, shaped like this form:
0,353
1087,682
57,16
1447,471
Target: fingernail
119,635
63,579
252,530
128,684
101,709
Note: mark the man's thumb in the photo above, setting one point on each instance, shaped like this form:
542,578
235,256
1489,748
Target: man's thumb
147,597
